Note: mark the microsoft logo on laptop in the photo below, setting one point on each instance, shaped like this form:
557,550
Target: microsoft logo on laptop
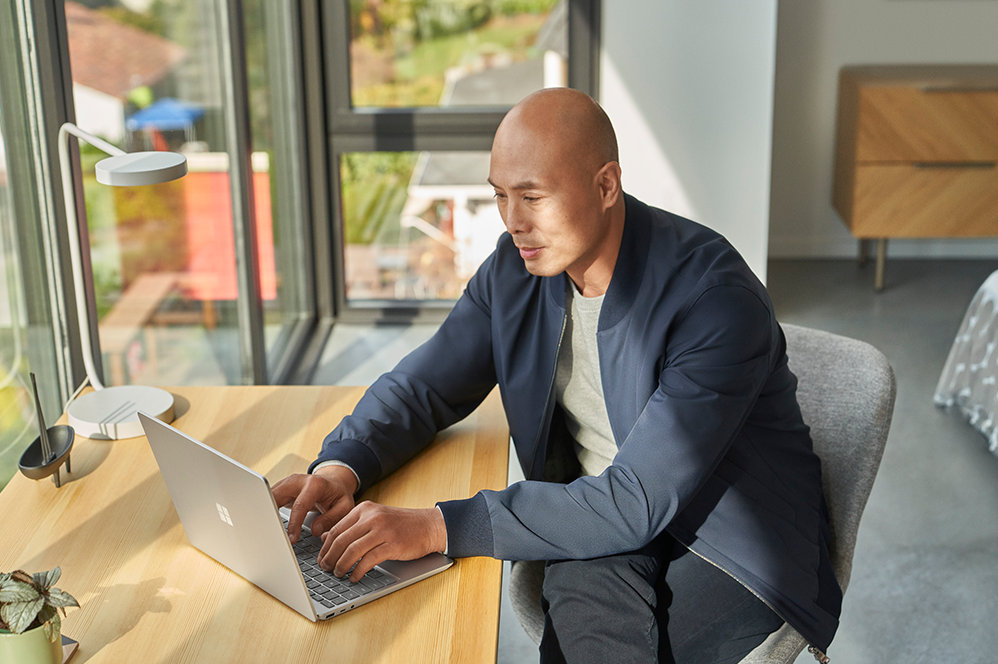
223,513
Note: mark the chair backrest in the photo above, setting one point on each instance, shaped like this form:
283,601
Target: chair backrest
846,391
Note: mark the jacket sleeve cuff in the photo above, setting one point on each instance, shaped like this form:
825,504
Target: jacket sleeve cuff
356,456
469,528
334,462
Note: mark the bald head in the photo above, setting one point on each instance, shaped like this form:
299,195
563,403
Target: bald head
557,184
565,121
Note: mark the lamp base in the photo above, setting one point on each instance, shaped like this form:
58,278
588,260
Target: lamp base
112,413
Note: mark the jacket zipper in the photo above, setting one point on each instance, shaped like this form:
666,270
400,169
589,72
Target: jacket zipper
821,657
554,376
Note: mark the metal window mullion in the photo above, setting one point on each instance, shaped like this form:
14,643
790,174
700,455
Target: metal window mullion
235,95
336,26
287,172
48,96
324,256
584,45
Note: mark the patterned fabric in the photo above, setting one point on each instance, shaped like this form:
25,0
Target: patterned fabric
969,380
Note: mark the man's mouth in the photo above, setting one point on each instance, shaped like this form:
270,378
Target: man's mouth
526,253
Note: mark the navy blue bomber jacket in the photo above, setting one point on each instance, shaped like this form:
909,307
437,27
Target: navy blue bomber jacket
711,445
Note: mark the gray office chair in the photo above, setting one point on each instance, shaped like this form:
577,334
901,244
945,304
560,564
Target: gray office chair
846,392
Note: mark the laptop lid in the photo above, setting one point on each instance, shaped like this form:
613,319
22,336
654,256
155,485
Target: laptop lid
228,512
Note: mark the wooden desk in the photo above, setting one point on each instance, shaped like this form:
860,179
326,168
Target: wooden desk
147,595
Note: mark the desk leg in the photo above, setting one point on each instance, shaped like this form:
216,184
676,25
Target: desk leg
878,283
152,355
863,251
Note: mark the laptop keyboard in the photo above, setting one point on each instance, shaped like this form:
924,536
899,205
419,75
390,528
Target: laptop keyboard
325,588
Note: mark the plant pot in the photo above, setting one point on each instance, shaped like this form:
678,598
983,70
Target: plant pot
40,645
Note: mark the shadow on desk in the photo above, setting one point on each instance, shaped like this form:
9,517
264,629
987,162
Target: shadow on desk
135,602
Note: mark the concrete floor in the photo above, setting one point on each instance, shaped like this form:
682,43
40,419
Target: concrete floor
925,579
924,585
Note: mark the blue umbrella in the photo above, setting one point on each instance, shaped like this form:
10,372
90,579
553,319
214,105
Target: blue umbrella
165,114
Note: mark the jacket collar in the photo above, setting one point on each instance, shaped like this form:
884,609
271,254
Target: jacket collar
627,272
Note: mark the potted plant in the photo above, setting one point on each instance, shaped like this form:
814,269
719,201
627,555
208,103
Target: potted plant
30,626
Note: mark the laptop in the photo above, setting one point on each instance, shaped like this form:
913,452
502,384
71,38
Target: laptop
229,513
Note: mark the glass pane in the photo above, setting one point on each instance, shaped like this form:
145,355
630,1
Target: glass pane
455,52
163,255
417,224
27,340
276,173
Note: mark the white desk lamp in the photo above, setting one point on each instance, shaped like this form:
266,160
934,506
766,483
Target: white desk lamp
111,413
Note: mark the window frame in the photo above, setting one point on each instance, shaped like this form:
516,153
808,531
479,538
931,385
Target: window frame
378,129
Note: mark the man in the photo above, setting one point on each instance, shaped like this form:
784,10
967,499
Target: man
671,484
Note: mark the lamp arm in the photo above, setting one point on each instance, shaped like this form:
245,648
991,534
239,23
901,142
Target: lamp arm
96,141
72,222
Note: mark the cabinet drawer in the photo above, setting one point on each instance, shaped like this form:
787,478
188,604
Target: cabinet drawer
925,123
913,201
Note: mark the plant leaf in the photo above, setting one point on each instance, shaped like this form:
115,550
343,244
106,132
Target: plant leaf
22,576
58,597
45,580
56,626
20,615
16,591
46,613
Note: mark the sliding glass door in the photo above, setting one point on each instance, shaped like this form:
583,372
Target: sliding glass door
202,280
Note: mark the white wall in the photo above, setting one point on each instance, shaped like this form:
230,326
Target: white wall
814,39
689,88
99,113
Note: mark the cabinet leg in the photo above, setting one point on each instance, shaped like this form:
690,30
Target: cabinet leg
863,251
878,283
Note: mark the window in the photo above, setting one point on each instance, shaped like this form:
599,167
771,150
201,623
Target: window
200,280
415,91
30,336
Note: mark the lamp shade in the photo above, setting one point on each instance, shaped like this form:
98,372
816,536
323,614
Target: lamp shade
139,168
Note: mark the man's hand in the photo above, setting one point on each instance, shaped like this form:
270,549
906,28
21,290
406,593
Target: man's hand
372,533
329,490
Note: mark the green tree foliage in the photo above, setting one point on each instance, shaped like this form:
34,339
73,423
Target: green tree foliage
374,192
147,22
430,19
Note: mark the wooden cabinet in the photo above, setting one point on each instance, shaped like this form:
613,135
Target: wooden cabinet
917,153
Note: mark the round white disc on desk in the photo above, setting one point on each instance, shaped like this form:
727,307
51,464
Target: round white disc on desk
112,413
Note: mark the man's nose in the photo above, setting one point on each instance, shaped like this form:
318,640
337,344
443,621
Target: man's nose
515,219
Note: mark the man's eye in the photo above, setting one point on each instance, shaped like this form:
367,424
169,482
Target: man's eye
498,196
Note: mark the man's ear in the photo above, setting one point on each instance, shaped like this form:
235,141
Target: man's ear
608,181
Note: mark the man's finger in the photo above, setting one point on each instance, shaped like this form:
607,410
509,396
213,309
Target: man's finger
310,494
355,552
332,516
336,539
375,556
287,489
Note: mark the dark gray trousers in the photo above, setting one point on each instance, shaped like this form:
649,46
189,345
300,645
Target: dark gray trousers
658,604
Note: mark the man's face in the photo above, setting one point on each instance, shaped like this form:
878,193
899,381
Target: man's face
550,203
